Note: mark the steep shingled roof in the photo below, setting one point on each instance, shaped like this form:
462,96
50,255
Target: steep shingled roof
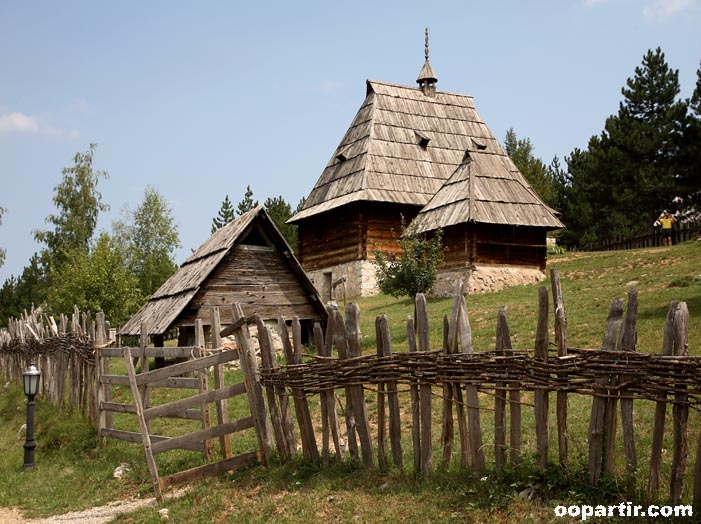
486,188
401,147
175,294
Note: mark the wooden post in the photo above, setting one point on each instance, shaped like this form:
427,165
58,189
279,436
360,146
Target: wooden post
541,394
381,413
279,413
661,409
323,402
629,338
395,422
221,405
145,391
561,340
342,347
473,412
597,423
204,386
145,437
697,479
680,410
424,386
361,418
254,389
415,401
447,426
514,392
304,419
331,394
500,398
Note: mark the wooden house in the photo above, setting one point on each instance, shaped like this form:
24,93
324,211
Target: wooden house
402,146
494,225
246,261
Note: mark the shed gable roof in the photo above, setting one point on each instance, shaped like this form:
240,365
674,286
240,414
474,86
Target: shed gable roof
175,294
486,188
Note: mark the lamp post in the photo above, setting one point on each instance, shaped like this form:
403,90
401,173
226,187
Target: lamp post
31,378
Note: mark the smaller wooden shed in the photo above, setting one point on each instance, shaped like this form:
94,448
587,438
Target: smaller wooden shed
247,261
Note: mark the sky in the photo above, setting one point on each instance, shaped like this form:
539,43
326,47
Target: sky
202,99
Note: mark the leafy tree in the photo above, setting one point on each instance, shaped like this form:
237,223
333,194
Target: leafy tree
97,281
2,249
691,175
280,211
536,172
18,294
632,170
224,216
415,270
247,203
79,203
151,240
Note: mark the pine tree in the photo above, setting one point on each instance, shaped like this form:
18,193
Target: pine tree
531,167
247,203
224,216
280,212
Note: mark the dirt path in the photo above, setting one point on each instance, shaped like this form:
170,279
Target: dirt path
96,515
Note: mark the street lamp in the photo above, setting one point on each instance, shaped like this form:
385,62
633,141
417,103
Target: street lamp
31,378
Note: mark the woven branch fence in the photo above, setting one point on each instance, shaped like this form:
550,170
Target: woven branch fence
613,377
63,351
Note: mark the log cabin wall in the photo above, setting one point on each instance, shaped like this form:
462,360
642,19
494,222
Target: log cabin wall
330,239
259,279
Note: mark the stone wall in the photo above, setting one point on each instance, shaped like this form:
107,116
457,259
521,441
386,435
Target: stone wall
356,278
487,277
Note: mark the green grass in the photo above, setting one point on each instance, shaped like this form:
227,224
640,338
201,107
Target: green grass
74,472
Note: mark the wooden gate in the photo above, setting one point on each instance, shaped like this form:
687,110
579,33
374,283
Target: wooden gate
192,407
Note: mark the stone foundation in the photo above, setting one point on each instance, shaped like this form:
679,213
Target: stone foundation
486,277
356,279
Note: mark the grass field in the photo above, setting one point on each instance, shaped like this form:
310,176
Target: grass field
74,471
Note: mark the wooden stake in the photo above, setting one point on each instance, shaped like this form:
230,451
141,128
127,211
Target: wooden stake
541,394
661,409
561,340
221,405
500,399
424,387
202,375
341,344
629,338
415,401
680,410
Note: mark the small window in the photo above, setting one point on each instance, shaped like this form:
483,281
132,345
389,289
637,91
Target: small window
343,154
479,144
341,157
422,140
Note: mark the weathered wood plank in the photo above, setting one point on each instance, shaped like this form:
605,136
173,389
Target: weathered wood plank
353,337
202,376
381,412
597,423
561,340
395,422
209,470
135,437
173,382
415,401
541,395
424,387
447,424
145,437
205,397
202,436
500,400
185,367
221,405
341,343
660,409
628,344
680,410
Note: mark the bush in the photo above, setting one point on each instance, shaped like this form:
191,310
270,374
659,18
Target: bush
415,270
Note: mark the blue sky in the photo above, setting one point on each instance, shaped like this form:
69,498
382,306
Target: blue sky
201,99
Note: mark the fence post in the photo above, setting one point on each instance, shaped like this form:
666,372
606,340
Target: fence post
680,410
381,412
221,405
661,409
500,400
541,394
424,386
561,340
342,347
415,401
331,395
203,385
628,343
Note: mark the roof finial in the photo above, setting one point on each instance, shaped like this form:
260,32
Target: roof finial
426,45
427,78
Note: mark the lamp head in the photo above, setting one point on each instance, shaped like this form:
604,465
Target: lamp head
31,378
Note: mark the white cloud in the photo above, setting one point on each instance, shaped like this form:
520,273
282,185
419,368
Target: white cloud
15,122
18,122
659,9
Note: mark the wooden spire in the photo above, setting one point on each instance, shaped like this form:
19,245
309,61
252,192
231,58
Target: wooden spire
427,78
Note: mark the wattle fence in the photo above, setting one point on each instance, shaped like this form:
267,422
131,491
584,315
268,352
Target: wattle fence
680,233
477,400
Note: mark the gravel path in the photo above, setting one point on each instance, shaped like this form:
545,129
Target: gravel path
96,515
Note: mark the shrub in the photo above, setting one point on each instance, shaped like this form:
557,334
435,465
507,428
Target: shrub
415,270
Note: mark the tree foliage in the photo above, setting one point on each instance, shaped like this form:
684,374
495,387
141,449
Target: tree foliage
280,212
224,216
635,167
19,294
78,202
540,178
415,270
97,281
247,202
149,238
